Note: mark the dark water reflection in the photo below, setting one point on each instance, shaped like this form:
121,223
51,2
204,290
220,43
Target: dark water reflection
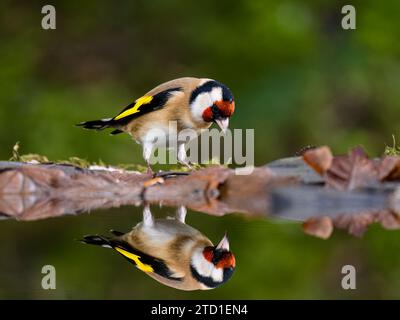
275,259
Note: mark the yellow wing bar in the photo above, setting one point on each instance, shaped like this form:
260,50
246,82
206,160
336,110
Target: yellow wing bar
142,266
139,102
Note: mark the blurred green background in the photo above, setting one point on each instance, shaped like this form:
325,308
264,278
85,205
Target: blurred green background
298,79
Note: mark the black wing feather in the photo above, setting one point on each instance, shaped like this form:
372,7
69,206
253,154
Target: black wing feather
159,100
157,264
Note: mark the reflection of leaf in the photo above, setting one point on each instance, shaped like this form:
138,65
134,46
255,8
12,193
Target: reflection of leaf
355,224
318,227
358,224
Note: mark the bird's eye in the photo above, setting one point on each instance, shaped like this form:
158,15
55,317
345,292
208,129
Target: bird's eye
214,108
226,260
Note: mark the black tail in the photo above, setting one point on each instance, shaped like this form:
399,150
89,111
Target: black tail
97,241
96,124
117,233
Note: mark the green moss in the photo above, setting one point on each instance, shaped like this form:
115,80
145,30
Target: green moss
132,167
26,157
393,150
83,163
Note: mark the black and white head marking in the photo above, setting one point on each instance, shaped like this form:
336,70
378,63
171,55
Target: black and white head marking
206,94
207,273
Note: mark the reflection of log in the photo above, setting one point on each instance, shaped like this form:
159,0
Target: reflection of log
287,188
31,192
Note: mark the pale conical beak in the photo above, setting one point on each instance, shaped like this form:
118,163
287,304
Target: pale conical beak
224,243
223,124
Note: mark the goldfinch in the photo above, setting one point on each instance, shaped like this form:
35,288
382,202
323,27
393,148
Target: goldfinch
173,253
193,103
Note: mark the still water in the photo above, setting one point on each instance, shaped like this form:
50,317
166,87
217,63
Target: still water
273,259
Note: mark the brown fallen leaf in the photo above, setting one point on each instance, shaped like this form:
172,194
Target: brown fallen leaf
389,168
352,171
320,159
300,152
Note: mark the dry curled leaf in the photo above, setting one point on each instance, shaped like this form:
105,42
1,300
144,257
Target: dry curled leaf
320,159
300,152
389,168
352,171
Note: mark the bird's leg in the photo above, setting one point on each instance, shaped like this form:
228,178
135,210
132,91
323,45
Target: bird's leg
148,219
147,148
182,157
181,214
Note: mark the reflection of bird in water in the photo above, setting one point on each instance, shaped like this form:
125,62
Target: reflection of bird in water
172,252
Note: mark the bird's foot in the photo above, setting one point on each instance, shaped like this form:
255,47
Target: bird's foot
149,170
169,174
188,164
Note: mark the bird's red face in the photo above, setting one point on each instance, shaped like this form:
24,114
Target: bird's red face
220,256
220,112
222,259
213,266
212,101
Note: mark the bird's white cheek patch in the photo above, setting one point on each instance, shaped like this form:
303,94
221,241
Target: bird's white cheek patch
205,100
206,268
198,106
